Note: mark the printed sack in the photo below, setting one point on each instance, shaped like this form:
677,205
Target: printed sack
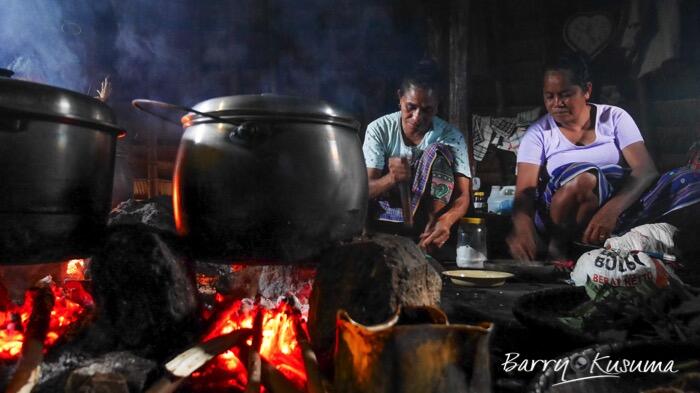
619,269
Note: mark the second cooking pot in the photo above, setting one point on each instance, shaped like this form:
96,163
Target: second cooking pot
271,179
56,165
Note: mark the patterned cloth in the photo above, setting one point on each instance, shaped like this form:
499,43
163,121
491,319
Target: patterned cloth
504,132
522,122
504,127
482,134
676,189
433,172
609,176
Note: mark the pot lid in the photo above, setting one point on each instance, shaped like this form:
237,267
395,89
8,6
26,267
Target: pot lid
276,107
36,100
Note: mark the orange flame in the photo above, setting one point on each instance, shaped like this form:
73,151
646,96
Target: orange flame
70,304
279,347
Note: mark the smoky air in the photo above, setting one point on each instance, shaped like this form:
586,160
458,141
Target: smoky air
185,51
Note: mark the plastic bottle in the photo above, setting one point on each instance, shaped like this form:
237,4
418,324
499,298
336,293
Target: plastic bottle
501,199
471,243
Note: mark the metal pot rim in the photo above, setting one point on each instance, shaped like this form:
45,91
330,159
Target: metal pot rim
272,108
32,100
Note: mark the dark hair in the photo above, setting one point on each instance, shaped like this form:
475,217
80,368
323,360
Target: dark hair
573,62
424,75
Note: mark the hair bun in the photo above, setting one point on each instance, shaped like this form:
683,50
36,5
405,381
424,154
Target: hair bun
576,63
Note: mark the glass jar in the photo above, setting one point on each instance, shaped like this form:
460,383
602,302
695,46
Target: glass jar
471,242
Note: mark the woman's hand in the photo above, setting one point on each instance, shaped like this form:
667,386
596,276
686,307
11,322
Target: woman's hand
435,234
399,169
643,174
601,225
522,242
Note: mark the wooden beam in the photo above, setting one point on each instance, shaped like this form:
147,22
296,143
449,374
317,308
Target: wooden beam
459,114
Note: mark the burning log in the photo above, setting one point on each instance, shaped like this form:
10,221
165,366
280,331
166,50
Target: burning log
274,381
254,359
314,383
183,365
28,370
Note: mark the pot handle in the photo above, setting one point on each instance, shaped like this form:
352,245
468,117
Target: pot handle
142,105
248,131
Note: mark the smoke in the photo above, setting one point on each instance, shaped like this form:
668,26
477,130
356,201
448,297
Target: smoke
350,53
36,43
53,42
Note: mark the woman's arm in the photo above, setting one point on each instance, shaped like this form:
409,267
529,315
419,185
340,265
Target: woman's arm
522,241
399,170
642,176
438,233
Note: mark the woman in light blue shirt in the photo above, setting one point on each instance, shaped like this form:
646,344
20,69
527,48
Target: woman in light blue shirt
413,146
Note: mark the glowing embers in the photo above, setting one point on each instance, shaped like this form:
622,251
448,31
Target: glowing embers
70,304
279,346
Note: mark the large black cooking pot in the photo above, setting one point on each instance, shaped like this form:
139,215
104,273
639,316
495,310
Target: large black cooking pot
56,166
270,179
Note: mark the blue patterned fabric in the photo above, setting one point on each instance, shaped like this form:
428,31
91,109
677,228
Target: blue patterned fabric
609,176
422,167
675,189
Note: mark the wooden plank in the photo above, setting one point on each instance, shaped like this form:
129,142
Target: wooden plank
437,31
162,164
458,64
482,93
523,71
519,49
524,93
165,152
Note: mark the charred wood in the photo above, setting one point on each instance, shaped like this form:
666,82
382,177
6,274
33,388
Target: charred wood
254,364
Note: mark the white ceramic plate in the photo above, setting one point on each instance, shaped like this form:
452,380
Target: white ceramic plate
477,278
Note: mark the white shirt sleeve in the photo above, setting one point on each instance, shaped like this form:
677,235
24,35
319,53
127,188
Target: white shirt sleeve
373,147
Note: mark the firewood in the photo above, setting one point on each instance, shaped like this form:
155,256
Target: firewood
28,370
184,364
314,383
254,358
274,381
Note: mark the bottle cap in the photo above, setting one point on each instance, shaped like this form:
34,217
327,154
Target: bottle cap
472,220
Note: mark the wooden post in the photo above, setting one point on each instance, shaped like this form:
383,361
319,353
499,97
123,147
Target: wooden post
437,41
459,113
497,29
